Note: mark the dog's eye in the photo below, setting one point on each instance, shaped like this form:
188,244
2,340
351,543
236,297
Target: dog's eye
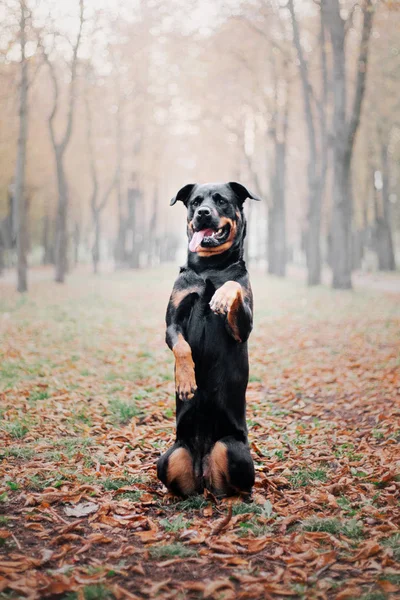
196,202
220,200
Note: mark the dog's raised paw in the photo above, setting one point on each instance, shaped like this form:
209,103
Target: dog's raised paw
224,298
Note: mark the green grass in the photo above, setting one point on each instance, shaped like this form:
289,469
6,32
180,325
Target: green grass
13,485
374,595
244,508
16,430
303,477
114,484
122,412
72,445
38,483
12,372
131,496
171,551
393,542
350,528
347,450
190,504
91,592
254,527
17,452
175,525
346,506
392,577
38,394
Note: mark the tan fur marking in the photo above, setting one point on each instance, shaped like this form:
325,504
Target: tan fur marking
226,245
185,380
232,316
180,471
219,467
178,295
227,300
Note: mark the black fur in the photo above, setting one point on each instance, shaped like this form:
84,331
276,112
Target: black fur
216,412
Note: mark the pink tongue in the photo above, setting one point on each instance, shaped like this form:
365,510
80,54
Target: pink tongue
198,238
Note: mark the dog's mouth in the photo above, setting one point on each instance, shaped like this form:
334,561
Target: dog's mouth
209,238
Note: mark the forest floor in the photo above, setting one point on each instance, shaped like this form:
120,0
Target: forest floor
87,406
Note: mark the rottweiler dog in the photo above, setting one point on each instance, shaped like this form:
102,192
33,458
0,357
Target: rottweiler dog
209,319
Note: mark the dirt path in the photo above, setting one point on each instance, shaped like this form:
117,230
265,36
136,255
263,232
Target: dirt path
86,407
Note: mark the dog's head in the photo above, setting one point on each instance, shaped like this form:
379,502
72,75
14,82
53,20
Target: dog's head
215,219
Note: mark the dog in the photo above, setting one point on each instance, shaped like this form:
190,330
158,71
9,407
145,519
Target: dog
209,319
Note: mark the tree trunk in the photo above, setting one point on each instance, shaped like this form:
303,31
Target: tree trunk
384,237
96,243
45,239
132,228
313,234
77,241
341,211
60,147
61,245
152,229
20,218
277,215
316,170
341,224
345,132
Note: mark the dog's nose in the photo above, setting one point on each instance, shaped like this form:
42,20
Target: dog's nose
204,211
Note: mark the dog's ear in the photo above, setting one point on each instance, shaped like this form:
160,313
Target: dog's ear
183,194
241,192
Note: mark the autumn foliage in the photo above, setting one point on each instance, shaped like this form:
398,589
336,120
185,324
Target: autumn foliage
87,406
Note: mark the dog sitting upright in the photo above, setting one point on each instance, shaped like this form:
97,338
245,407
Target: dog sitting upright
209,319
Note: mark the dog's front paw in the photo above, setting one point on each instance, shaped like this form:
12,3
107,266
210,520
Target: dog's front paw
225,297
185,382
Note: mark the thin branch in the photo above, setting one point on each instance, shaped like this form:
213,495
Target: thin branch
72,97
305,80
56,95
91,153
362,65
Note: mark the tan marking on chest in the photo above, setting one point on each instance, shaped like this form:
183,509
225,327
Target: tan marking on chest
178,295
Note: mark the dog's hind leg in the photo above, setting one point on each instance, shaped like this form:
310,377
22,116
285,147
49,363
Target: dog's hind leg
175,470
231,468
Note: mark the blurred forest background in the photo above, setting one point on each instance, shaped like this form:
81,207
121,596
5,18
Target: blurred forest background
108,107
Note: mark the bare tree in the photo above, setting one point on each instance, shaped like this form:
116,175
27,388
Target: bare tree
315,117
278,131
20,220
344,132
59,147
382,208
96,206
